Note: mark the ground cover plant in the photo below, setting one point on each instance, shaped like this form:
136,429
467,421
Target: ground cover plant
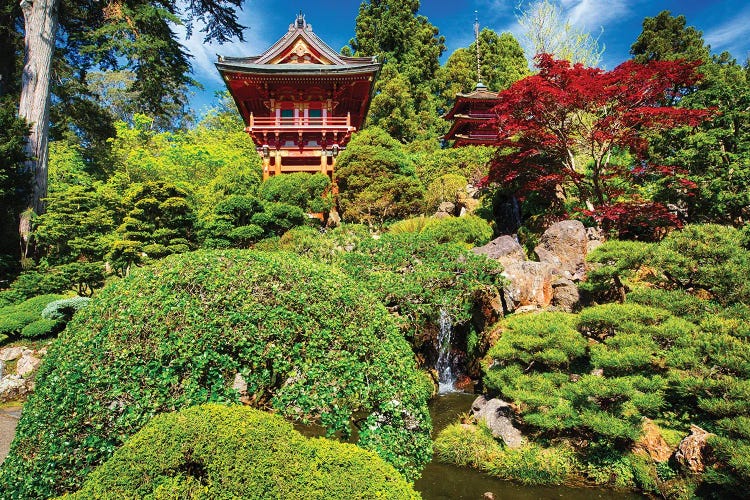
218,451
306,340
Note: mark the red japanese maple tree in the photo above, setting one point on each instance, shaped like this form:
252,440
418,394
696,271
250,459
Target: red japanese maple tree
578,136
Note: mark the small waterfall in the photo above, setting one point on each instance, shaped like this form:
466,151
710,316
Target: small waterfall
446,378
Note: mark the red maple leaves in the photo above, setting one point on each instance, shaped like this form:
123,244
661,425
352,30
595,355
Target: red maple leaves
578,136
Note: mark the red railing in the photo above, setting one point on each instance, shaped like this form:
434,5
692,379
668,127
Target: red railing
292,122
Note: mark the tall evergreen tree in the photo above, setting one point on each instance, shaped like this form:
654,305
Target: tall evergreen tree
410,46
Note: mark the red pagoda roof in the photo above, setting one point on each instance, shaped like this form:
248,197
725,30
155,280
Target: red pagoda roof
471,115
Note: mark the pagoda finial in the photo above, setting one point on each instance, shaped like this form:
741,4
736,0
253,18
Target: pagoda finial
300,20
476,40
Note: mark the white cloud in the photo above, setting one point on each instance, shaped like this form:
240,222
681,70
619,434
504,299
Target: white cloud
204,54
732,35
594,14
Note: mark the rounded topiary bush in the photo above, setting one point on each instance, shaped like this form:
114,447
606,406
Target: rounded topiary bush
304,338
217,451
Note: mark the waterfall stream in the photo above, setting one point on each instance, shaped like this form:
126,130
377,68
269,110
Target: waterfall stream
446,377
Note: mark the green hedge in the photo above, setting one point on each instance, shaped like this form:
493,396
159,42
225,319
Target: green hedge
14,319
308,341
217,451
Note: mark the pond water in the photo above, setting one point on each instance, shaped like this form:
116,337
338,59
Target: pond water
443,481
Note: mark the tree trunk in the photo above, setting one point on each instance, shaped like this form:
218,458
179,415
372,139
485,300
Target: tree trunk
40,27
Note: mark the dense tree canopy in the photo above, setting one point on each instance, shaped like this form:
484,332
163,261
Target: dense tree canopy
574,135
503,62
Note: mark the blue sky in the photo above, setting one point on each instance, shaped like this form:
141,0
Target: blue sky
725,25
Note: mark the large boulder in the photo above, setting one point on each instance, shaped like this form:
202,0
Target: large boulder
504,249
530,284
692,452
565,245
498,416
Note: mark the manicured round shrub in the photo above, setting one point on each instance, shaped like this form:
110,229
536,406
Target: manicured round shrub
41,328
217,451
304,338
14,318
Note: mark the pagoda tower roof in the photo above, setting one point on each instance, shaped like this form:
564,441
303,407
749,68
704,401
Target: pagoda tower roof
300,52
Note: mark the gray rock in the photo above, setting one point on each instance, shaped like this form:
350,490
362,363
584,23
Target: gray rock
692,451
239,384
504,249
564,245
447,206
565,296
498,416
13,387
595,238
27,365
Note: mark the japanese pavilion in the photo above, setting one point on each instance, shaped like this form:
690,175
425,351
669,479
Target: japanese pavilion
471,114
300,100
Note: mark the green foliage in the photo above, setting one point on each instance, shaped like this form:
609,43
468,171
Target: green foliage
446,188
241,453
41,328
529,464
159,222
306,339
503,62
14,184
16,319
676,349
465,447
666,38
310,192
418,278
376,179
404,103
470,162
705,257
64,309
469,229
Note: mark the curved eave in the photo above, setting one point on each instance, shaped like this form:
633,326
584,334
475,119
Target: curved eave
297,69
468,123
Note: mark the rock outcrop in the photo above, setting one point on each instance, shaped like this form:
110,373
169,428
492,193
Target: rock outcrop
565,295
565,245
498,416
504,249
692,452
530,284
652,443
27,364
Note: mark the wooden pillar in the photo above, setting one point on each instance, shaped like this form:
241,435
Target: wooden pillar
266,168
323,163
278,165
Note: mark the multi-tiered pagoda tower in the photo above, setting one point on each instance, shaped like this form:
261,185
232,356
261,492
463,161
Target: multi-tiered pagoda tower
472,115
300,100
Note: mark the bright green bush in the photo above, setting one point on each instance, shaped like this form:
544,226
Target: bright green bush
15,318
310,192
411,225
216,451
41,328
469,229
307,340
466,447
446,188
